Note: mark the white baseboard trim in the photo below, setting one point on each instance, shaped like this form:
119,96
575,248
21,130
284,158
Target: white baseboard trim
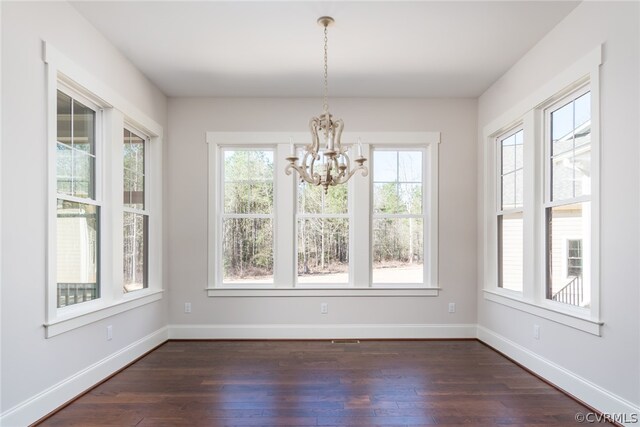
43,403
315,331
588,392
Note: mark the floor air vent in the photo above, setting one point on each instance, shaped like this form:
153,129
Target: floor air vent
345,341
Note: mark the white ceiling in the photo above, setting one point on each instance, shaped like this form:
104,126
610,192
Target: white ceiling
274,48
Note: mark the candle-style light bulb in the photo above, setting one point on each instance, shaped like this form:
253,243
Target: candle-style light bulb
292,148
359,148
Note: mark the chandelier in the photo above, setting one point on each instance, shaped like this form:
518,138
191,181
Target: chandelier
325,161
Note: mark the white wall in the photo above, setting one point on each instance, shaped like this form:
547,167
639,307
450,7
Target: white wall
612,361
190,118
30,363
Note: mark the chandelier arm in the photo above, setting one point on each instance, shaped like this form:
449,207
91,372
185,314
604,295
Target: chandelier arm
337,134
347,177
314,146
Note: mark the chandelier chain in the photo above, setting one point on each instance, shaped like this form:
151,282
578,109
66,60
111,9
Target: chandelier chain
326,72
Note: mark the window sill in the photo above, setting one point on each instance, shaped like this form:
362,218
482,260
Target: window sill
323,292
568,319
78,319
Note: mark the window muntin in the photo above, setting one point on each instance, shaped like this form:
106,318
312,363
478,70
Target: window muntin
78,209
135,213
398,218
568,205
247,217
510,214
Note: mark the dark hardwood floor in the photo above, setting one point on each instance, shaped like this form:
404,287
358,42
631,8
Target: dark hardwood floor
309,383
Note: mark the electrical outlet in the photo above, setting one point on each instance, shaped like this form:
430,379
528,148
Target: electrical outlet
324,308
109,333
452,307
187,307
536,331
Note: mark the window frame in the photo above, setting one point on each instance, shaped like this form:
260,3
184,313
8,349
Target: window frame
222,215
285,212
531,112
424,216
349,216
146,211
499,211
60,71
97,201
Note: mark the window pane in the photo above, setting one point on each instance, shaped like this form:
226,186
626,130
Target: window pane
509,191
256,198
312,199
410,197
134,152
64,175
323,250
83,128
410,166
83,174
336,201
398,250
248,181
135,251
386,198
134,169
562,178
385,166
583,110
565,282
519,188
511,164
562,129
64,118
247,248
242,165
519,147
77,264
508,156
582,169
510,251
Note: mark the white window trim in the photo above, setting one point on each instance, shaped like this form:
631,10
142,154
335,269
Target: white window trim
285,256
116,110
530,112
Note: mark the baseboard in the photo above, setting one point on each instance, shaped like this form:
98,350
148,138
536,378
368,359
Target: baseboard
580,388
52,398
315,331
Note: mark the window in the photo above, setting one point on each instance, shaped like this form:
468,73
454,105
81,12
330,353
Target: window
247,218
78,206
510,213
323,234
104,200
398,216
271,234
135,213
542,201
567,202
574,258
